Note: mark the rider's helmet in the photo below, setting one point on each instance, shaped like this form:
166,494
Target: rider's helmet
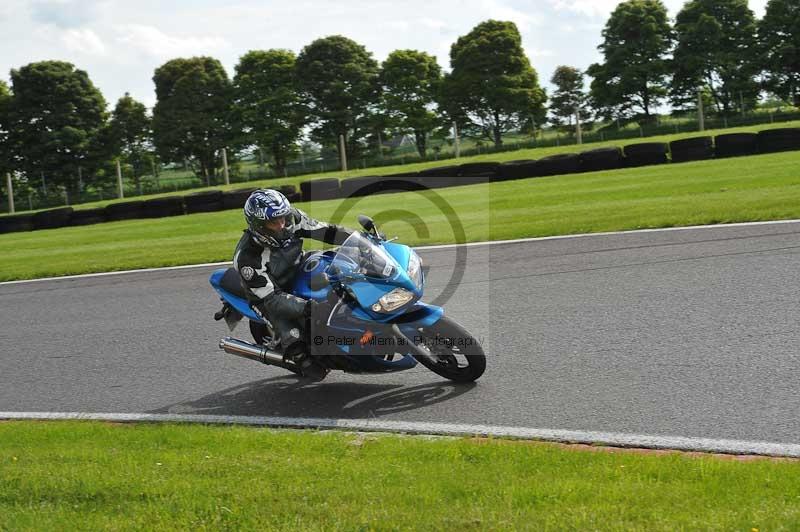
264,206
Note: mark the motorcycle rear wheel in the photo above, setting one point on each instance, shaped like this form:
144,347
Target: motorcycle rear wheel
451,351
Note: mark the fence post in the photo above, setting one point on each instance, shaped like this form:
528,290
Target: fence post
342,153
225,166
455,138
10,188
121,194
701,118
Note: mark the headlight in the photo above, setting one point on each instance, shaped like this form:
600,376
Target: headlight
415,269
393,300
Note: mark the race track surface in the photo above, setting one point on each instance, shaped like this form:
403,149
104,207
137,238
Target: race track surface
688,333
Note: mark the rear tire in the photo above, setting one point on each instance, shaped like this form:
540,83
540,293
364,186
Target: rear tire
259,331
454,353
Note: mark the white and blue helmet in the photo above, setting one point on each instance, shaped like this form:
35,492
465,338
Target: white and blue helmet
261,207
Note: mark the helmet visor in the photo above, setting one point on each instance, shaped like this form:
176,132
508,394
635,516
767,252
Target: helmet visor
274,227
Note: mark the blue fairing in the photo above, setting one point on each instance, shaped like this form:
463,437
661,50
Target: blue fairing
238,303
357,317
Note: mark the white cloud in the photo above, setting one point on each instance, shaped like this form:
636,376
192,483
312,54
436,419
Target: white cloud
500,11
83,41
154,42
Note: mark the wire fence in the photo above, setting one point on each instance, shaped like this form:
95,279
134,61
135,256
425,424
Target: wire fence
33,196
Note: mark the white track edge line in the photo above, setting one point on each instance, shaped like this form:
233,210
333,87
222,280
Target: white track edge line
612,439
437,246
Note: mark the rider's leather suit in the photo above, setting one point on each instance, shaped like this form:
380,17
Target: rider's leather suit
268,272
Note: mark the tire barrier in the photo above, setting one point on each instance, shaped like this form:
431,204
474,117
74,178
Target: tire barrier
441,171
692,149
609,158
475,169
475,179
235,199
52,219
286,190
321,189
16,223
735,144
404,174
601,159
128,210
207,201
781,139
521,169
438,181
645,154
562,163
163,207
366,186
88,217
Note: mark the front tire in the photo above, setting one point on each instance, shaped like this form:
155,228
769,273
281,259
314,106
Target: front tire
451,351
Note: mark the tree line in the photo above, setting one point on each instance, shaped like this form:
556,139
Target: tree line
716,51
54,122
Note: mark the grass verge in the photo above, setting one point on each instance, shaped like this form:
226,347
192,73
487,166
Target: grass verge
93,476
765,187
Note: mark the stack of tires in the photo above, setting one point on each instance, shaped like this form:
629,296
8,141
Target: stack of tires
645,154
52,219
88,217
735,144
474,173
320,189
127,210
206,201
163,207
16,223
521,169
235,199
692,149
601,159
560,164
781,139
443,176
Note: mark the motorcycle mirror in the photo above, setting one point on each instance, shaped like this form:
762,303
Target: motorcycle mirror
366,222
318,282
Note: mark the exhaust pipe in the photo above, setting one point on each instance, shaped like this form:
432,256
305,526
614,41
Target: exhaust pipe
259,353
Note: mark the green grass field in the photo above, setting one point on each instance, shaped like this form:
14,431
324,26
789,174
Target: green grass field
764,187
534,153
92,476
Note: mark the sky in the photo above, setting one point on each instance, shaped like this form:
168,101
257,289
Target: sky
119,43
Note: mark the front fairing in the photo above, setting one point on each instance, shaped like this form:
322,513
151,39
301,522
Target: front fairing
369,270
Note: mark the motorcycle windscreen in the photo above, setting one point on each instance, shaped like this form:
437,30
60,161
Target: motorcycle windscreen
358,256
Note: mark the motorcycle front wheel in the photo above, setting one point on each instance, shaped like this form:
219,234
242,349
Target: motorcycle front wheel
450,351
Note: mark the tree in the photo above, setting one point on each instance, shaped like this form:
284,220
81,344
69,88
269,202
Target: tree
338,79
633,76
55,114
492,87
779,39
569,95
715,50
129,134
267,106
191,118
410,81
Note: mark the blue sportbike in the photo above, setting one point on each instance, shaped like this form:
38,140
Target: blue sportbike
374,320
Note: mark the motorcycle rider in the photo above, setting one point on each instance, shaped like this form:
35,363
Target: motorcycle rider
267,258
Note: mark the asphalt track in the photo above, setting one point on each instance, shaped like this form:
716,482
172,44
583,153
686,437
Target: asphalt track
686,333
